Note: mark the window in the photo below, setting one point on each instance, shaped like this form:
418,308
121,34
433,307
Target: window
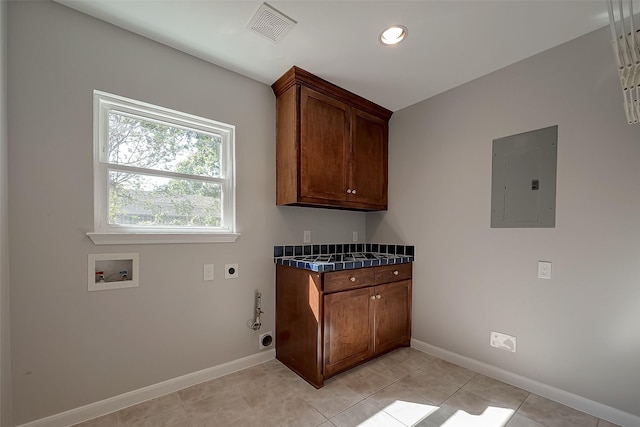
160,176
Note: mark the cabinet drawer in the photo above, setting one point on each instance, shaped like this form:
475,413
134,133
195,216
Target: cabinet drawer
392,273
348,279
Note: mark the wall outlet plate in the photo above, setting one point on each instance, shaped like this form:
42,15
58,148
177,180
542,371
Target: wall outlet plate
207,272
544,270
503,341
307,236
231,271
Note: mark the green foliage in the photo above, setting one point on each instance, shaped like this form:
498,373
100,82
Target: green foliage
147,199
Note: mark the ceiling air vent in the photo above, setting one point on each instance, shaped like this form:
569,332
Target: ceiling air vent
270,23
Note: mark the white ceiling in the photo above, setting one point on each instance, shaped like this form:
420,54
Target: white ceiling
449,42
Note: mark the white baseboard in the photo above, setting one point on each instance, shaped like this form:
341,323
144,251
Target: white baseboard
580,403
125,400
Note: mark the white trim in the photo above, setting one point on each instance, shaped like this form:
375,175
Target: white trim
165,174
149,238
599,410
103,103
103,407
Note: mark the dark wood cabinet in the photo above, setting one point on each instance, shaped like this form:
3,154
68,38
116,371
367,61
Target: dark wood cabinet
348,329
332,145
324,146
329,322
392,315
369,159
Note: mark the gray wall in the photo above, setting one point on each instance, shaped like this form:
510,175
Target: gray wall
577,331
71,347
5,331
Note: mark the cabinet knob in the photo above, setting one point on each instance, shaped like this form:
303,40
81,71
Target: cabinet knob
353,279
353,191
373,297
395,273
348,190
378,296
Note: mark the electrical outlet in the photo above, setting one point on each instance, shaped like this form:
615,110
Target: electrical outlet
208,272
265,340
355,236
544,270
231,271
307,236
503,341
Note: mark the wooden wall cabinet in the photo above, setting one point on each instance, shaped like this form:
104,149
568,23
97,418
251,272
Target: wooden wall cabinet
327,323
332,145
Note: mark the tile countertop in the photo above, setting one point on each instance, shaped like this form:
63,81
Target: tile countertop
341,256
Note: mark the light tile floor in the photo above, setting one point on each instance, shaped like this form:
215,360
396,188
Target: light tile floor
403,388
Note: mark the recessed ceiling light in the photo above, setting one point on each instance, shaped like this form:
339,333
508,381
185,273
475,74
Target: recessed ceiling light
393,35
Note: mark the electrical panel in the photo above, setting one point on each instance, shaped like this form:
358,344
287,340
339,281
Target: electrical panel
523,180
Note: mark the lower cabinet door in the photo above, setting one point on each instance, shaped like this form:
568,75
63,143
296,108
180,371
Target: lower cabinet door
392,315
348,329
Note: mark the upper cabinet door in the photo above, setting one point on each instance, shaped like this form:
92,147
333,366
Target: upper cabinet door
331,147
368,160
324,146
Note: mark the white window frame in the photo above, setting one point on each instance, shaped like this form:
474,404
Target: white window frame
105,233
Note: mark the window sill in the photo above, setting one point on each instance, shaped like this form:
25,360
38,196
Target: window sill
160,238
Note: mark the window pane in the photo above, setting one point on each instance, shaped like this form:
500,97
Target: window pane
143,200
143,143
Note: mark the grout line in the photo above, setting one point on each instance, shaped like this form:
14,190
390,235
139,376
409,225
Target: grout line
460,388
469,380
522,403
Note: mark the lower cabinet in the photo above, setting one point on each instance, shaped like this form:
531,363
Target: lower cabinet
327,323
348,329
392,323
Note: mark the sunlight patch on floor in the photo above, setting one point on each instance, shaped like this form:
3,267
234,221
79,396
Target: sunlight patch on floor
491,417
412,413
409,413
